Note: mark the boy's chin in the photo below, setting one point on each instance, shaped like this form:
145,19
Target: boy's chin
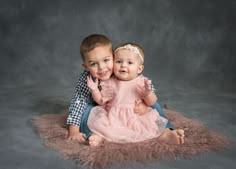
104,77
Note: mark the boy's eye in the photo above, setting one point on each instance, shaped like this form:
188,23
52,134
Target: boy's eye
106,60
118,61
92,64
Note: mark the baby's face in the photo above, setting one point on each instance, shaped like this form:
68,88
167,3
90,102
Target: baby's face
127,64
99,62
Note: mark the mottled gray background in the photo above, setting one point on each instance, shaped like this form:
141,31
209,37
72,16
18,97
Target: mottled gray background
190,57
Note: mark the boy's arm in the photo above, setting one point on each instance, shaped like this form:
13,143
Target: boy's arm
77,107
74,119
140,108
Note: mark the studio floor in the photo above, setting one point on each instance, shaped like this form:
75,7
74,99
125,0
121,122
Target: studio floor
22,148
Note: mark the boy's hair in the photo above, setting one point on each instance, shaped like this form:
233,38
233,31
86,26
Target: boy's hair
92,41
133,44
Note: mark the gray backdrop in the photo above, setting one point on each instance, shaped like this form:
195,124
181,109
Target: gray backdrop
190,57
185,40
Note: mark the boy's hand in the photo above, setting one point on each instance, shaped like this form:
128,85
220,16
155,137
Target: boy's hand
146,89
75,134
140,108
91,84
80,137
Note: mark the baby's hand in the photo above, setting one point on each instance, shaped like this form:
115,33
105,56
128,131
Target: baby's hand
146,89
77,136
91,84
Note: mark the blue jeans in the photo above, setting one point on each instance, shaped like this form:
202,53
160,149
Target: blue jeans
162,114
84,127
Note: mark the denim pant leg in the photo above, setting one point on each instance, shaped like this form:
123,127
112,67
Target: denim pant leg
159,109
83,125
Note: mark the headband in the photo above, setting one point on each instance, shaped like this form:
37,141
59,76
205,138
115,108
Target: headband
133,49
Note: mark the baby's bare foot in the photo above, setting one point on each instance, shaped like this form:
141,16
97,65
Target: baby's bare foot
173,136
95,140
180,134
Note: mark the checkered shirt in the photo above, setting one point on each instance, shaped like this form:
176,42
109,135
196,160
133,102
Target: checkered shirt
80,100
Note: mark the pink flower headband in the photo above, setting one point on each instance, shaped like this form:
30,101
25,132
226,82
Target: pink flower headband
133,49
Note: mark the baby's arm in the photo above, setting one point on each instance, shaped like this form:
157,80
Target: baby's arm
93,86
150,99
142,107
147,94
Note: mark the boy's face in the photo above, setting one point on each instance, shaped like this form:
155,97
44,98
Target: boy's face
99,62
127,64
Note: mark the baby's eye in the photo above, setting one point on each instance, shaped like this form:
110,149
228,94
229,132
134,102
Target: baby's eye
118,61
130,63
106,60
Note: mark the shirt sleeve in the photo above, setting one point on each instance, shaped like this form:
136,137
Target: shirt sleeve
79,101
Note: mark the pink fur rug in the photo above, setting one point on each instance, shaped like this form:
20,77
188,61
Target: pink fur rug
198,139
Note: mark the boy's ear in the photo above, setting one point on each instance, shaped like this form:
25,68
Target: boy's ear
84,65
140,69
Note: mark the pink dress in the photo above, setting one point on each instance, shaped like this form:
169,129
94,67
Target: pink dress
116,121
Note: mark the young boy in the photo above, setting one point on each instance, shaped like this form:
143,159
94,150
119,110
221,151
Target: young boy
97,55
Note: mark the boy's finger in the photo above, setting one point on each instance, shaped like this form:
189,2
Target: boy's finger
84,135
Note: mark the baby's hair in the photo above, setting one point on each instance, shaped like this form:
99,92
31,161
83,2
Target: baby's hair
129,45
92,41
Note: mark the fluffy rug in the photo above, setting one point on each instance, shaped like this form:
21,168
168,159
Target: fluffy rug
198,139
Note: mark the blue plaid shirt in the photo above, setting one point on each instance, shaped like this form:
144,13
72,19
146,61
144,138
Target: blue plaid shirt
80,100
